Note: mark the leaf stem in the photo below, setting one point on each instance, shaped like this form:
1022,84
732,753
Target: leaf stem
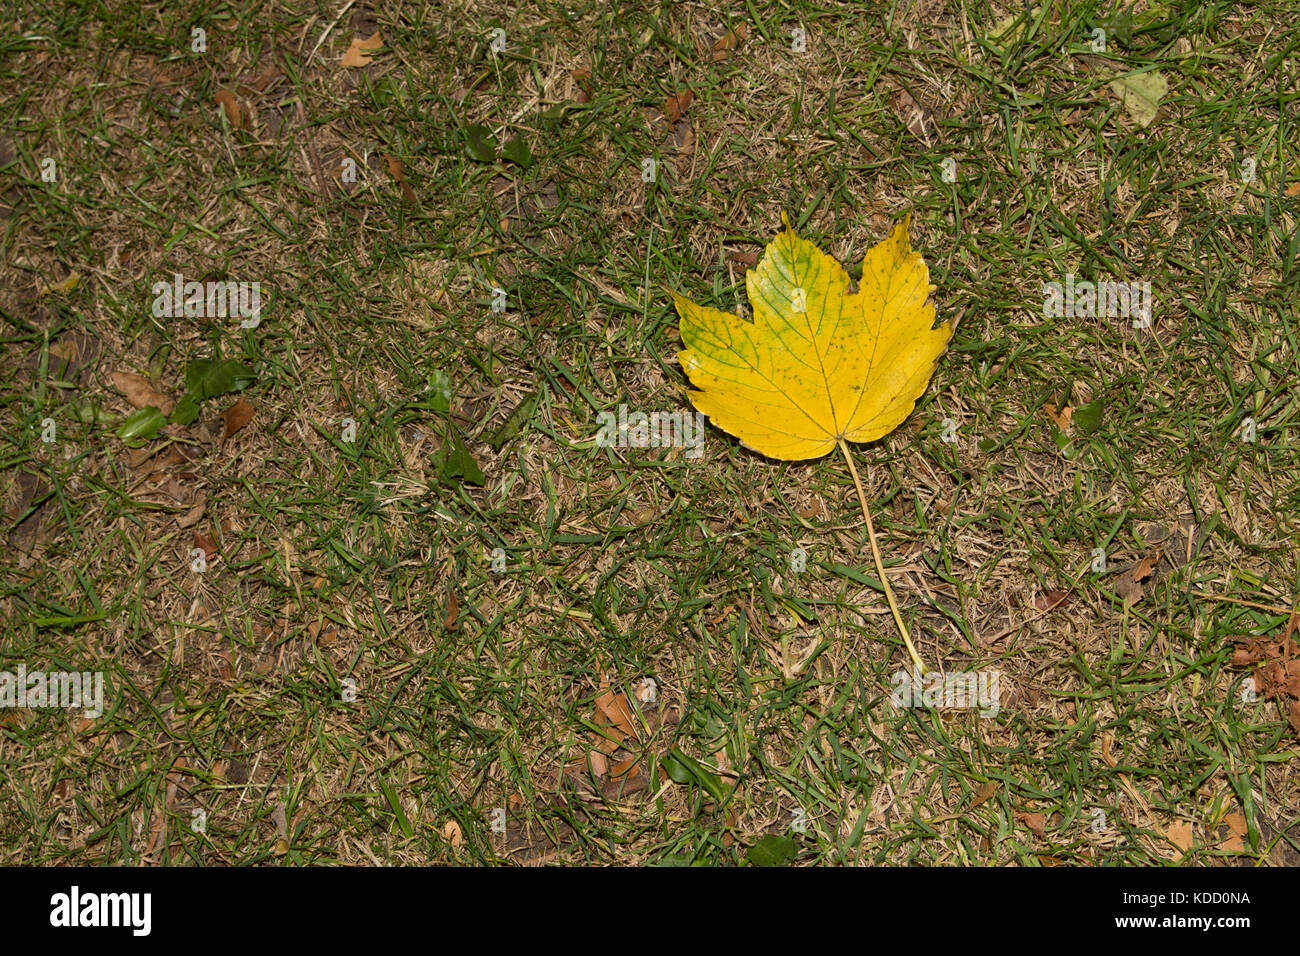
880,565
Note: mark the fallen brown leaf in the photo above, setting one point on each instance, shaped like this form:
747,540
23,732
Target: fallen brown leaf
140,393
397,169
582,77
1235,841
225,665
918,119
677,104
451,620
683,137
624,767
632,782
1036,822
1146,566
1180,835
1129,583
234,112
725,44
279,818
1278,679
1050,600
323,634
748,259
1107,742
236,417
156,831
262,80
618,711
209,546
1061,417
983,793
360,52
174,776
191,517
452,834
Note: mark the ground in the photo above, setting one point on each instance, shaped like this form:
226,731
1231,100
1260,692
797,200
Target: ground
324,640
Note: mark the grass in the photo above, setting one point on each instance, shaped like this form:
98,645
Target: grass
380,664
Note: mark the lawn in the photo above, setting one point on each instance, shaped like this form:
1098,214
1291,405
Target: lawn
367,583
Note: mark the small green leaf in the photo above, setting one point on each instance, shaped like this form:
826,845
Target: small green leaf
1141,94
677,771
1121,26
518,153
554,116
141,425
772,850
1088,417
454,461
480,143
439,391
91,415
208,378
687,770
186,410
1009,31
517,420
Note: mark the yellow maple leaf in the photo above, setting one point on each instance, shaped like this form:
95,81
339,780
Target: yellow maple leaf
818,366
